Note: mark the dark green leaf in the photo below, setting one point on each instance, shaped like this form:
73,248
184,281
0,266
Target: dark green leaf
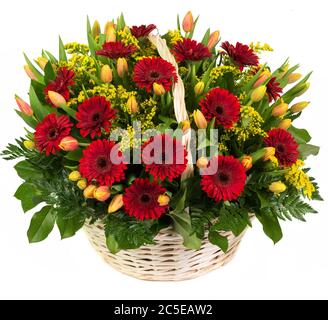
41,225
49,72
40,111
69,226
112,244
271,226
36,72
300,135
62,52
307,150
74,155
29,196
27,171
29,120
218,240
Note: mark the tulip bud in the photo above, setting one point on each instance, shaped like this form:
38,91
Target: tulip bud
258,93
82,184
122,67
265,75
285,124
268,152
202,163
24,107
28,144
163,200
101,194
277,187
298,107
302,89
213,40
293,77
247,162
89,191
74,176
96,30
158,89
56,99
199,88
132,104
200,120
106,74
116,204
42,62
280,110
110,34
188,22
108,25
69,144
185,125
29,72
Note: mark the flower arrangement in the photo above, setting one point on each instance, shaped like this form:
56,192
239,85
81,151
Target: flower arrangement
112,139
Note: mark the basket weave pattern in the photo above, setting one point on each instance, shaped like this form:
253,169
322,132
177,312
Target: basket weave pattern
167,260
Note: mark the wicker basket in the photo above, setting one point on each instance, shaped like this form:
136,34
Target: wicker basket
167,260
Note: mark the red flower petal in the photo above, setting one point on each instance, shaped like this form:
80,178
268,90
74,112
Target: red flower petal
142,31
191,50
115,50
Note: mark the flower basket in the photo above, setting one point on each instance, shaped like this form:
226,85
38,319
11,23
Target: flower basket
168,259
160,146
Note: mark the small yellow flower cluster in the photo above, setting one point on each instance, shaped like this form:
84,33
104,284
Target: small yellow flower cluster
129,141
299,179
222,147
218,72
146,113
174,36
127,38
258,47
183,71
75,47
274,161
249,125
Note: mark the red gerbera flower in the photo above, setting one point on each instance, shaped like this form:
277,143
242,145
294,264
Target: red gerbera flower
241,54
224,178
285,145
142,31
50,132
164,157
221,105
103,162
93,115
115,50
140,200
150,70
61,84
191,50
273,89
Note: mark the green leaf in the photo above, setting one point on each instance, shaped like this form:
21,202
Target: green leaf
75,155
218,240
264,198
182,225
178,23
271,226
27,171
51,57
41,225
36,72
69,111
29,120
29,196
300,135
112,244
69,226
62,52
206,37
49,72
40,111
306,150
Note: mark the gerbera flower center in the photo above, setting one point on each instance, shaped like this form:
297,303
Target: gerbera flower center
53,133
102,162
96,117
280,148
145,198
224,178
154,74
219,110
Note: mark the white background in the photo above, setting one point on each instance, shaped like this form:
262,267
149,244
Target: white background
295,268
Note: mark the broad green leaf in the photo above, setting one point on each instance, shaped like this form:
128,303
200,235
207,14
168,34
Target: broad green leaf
36,72
271,226
69,227
74,155
41,225
29,120
112,244
264,199
206,37
62,52
69,111
218,240
29,196
40,111
51,57
306,150
49,72
27,171
91,40
300,135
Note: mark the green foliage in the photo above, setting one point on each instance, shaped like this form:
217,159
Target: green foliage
270,223
123,232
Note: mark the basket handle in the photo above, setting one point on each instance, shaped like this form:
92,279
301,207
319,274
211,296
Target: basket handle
179,103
